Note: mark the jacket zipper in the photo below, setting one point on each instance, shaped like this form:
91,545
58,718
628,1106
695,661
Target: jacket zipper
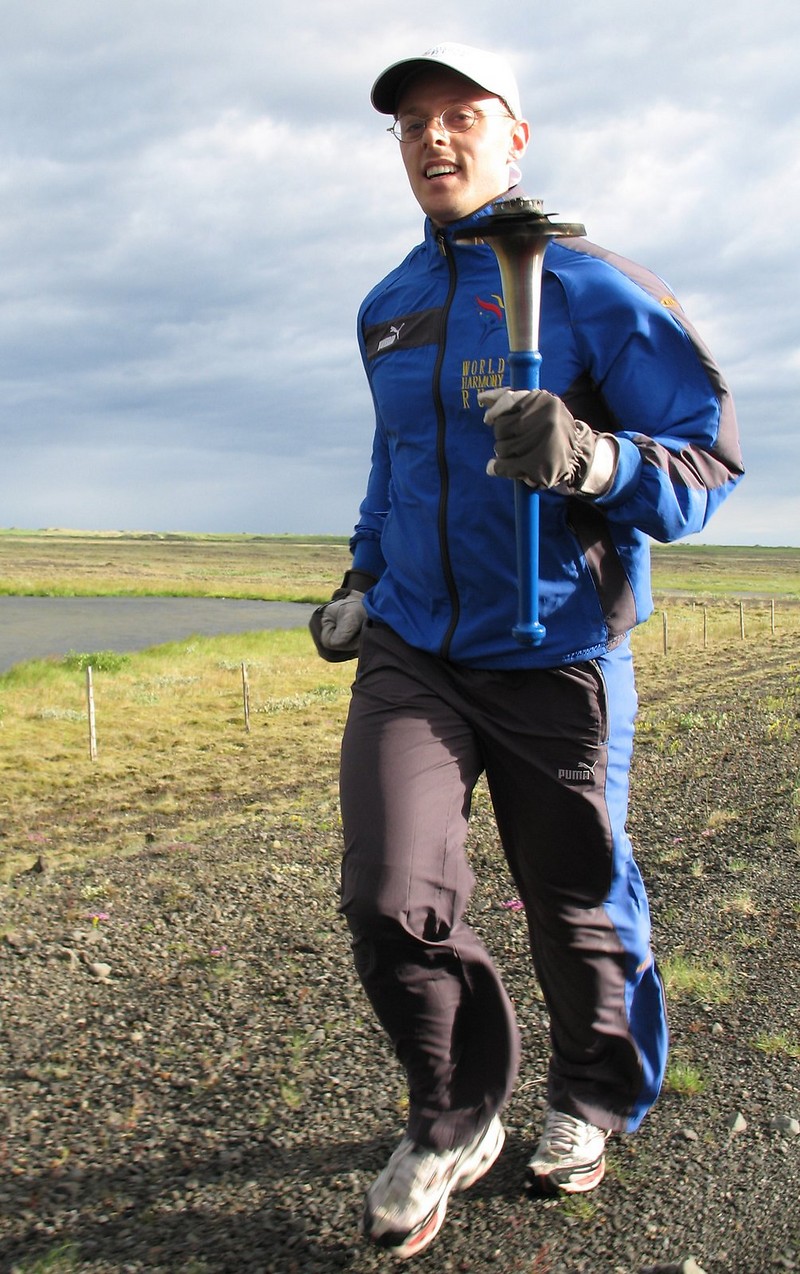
441,453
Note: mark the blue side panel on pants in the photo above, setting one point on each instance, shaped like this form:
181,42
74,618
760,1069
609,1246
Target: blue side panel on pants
626,904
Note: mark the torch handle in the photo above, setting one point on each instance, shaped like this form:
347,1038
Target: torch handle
519,231
528,631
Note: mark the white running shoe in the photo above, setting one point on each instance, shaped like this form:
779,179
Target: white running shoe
570,1156
406,1204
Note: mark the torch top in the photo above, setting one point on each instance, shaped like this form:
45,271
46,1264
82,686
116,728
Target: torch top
520,216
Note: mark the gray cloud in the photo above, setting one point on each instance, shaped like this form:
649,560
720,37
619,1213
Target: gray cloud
197,196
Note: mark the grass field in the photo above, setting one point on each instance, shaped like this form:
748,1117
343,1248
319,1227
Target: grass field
275,568
305,569
173,754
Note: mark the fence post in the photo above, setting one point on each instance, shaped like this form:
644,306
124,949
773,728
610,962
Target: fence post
90,706
246,697
772,617
664,626
741,620
705,628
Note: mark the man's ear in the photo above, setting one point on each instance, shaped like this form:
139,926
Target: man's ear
520,137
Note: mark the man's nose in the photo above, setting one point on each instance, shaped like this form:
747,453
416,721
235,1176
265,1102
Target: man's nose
434,125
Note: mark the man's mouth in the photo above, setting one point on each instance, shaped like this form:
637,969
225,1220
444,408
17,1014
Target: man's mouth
440,170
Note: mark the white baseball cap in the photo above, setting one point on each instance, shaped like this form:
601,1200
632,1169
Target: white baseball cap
489,71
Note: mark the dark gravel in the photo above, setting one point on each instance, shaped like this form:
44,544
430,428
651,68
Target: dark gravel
191,1080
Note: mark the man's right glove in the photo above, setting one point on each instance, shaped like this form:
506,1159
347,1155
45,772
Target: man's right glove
538,440
336,626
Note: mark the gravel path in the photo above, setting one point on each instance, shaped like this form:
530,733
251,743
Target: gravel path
191,1080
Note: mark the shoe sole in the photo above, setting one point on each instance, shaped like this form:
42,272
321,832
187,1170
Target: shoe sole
576,1180
404,1246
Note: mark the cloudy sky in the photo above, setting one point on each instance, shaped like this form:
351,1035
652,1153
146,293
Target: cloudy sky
197,194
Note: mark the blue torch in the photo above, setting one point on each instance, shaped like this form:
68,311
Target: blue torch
519,232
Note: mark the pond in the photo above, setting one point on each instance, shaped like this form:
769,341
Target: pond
43,627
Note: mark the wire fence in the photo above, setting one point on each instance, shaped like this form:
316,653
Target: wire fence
702,626
685,626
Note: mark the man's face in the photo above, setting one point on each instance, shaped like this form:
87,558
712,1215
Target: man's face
453,174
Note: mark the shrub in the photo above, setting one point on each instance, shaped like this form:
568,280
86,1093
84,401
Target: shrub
99,660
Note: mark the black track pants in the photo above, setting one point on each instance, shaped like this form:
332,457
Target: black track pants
555,745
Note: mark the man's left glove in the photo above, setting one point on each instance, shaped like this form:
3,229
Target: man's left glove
336,626
538,440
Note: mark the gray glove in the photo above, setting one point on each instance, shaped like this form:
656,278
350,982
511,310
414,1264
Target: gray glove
342,621
538,440
336,626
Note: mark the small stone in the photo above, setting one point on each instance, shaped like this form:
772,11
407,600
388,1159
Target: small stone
689,1266
786,1123
737,1123
100,970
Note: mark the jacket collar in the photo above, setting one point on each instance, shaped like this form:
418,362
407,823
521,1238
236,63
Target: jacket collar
434,233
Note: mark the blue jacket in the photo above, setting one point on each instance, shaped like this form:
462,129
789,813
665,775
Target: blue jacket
438,532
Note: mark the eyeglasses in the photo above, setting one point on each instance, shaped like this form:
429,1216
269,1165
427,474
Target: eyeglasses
456,119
